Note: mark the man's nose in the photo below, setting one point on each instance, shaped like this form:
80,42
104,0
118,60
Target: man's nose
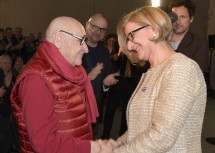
85,48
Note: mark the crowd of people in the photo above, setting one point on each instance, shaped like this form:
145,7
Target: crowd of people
13,43
153,69
15,51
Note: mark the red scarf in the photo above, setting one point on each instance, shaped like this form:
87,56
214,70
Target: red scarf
76,74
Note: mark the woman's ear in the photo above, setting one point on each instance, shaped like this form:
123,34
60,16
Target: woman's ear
153,33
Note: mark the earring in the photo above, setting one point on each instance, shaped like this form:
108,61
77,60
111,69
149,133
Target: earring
154,35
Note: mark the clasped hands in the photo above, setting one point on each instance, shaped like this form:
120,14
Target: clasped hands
104,146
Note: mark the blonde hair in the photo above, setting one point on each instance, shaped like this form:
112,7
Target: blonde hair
154,17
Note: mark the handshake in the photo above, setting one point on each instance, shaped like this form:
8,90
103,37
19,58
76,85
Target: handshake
104,146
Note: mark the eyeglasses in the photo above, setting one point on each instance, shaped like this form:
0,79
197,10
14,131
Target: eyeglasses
131,34
82,39
97,28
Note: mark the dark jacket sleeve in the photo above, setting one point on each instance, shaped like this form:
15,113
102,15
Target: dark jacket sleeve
196,48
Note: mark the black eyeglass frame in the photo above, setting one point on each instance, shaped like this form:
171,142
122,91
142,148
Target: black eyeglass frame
96,28
82,39
130,36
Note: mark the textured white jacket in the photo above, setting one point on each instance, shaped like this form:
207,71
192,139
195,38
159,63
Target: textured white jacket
165,113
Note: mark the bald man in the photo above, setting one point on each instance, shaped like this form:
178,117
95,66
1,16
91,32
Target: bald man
52,100
97,62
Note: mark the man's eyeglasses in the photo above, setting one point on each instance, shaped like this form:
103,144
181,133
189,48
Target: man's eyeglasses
97,28
131,34
82,39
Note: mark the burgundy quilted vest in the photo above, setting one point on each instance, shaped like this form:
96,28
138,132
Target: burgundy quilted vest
69,104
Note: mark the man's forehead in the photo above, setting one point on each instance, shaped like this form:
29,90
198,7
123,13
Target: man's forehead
99,21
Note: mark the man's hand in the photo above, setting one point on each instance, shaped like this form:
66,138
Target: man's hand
95,147
96,71
2,91
110,80
105,146
114,143
8,79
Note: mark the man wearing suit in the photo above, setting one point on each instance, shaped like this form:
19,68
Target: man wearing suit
184,41
190,44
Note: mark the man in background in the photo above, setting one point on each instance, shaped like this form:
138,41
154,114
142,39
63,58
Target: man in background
97,62
187,42
184,41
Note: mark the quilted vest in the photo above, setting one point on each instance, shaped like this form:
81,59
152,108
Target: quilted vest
69,102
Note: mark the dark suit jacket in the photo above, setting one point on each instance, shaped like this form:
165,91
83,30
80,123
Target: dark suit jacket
99,54
196,48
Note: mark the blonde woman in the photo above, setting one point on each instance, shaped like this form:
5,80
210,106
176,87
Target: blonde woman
166,111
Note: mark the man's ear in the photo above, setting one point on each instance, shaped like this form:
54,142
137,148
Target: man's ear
57,40
87,23
191,19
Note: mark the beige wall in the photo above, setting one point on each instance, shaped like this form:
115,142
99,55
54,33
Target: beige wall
211,31
211,18
200,24
34,15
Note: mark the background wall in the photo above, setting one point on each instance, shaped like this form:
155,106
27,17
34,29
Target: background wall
211,18
211,31
35,15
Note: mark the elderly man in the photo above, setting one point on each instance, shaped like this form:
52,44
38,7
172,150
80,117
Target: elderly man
52,99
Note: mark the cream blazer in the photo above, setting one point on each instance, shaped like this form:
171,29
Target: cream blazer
165,113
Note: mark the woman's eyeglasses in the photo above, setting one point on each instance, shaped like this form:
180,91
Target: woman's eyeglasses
130,36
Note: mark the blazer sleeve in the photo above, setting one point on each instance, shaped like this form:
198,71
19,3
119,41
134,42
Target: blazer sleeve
177,95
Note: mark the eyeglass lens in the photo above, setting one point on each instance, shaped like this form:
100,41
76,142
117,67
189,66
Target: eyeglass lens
97,28
130,36
81,39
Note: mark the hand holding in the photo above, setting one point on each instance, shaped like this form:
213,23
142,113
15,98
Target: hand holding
113,143
95,147
105,147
